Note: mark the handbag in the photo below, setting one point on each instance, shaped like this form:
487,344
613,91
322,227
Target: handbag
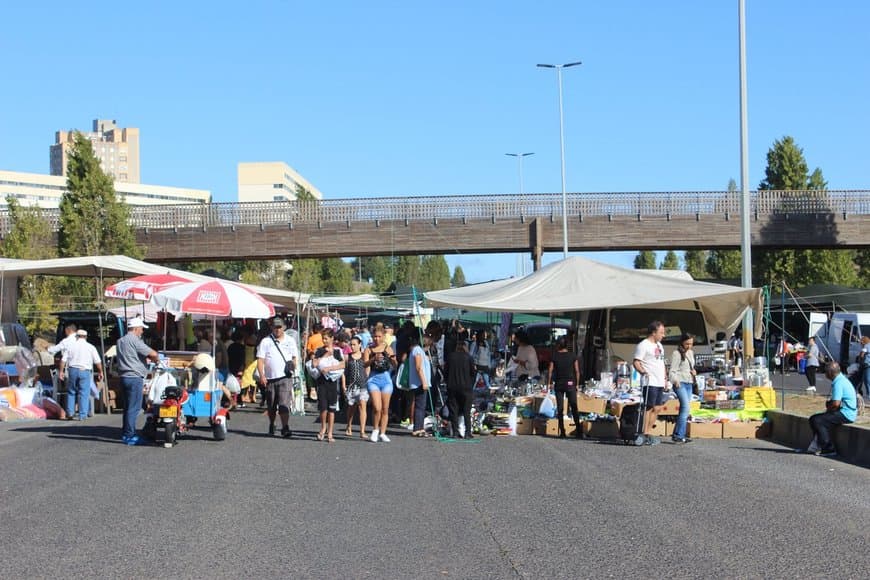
289,366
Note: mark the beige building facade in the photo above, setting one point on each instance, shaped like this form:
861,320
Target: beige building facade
117,149
45,191
271,181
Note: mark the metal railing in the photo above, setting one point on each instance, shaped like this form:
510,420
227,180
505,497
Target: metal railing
476,207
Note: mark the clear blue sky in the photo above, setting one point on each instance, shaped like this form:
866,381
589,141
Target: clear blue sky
411,98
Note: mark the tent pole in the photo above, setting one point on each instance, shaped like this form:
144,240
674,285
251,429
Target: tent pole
104,395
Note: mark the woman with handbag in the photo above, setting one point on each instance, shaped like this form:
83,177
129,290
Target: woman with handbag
682,377
380,360
353,384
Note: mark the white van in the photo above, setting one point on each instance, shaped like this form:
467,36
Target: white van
840,338
610,335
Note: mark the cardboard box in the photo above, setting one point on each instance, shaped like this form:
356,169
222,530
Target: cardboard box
662,428
601,429
617,407
742,429
524,426
705,430
715,395
671,407
546,427
586,404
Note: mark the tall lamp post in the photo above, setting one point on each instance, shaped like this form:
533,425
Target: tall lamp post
559,68
745,205
519,157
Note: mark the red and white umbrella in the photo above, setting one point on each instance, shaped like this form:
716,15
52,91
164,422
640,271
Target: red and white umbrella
143,287
214,298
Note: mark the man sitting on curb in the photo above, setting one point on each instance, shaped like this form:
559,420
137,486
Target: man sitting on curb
841,408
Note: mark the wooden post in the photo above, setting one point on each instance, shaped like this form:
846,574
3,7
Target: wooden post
536,241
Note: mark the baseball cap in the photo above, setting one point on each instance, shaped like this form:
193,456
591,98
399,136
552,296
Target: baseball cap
277,322
136,323
81,332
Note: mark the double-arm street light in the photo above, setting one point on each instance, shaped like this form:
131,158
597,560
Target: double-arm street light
559,68
519,157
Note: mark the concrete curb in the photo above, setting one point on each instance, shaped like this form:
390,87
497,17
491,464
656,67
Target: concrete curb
852,442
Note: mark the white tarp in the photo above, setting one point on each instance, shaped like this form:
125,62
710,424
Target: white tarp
124,267
576,284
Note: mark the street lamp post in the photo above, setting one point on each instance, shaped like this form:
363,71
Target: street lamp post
519,157
559,68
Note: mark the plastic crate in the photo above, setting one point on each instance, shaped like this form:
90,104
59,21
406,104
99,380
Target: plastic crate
758,398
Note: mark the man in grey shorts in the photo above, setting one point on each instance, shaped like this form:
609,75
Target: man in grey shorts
273,353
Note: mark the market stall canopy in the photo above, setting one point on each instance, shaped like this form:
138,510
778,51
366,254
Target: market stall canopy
214,298
355,300
122,267
143,287
576,284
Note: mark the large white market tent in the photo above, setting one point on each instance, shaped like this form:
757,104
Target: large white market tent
577,284
113,267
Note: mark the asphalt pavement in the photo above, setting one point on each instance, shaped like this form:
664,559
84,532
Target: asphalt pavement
76,503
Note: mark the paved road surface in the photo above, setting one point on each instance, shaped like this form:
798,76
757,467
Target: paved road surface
75,503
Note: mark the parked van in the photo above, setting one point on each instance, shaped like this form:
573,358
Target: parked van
95,322
839,338
608,336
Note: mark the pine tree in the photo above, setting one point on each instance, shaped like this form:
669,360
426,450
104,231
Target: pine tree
788,170
458,279
670,262
93,221
645,260
695,263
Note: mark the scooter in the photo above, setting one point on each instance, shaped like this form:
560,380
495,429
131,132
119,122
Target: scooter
167,416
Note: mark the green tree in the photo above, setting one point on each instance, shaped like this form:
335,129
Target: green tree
92,220
787,170
434,273
725,264
645,260
458,279
378,269
695,263
671,261
30,237
306,276
336,276
862,261
408,270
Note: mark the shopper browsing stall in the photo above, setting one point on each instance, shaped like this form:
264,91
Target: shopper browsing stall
564,375
649,361
682,376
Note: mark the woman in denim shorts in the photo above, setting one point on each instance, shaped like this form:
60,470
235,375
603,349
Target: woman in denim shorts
380,360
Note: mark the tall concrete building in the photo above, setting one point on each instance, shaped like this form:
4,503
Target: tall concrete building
116,148
271,181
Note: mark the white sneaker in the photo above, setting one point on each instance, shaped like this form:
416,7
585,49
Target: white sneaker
374,437
384,438
811,389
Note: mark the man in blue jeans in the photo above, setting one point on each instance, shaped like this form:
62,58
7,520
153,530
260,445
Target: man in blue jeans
79,360
132,354
842,408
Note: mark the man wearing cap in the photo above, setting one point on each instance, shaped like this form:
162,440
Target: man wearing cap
79,361
273,354
132,354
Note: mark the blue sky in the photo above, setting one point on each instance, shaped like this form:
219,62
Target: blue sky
377,98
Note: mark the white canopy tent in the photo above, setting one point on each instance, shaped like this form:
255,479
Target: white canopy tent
576,284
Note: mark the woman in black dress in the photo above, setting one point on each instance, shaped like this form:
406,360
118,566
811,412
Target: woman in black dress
564,375
460,382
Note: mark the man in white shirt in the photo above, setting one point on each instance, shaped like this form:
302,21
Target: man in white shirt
79,362
64,344
649,361
273,354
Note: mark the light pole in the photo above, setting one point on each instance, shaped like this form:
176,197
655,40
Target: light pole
519,157
559,68
745,239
